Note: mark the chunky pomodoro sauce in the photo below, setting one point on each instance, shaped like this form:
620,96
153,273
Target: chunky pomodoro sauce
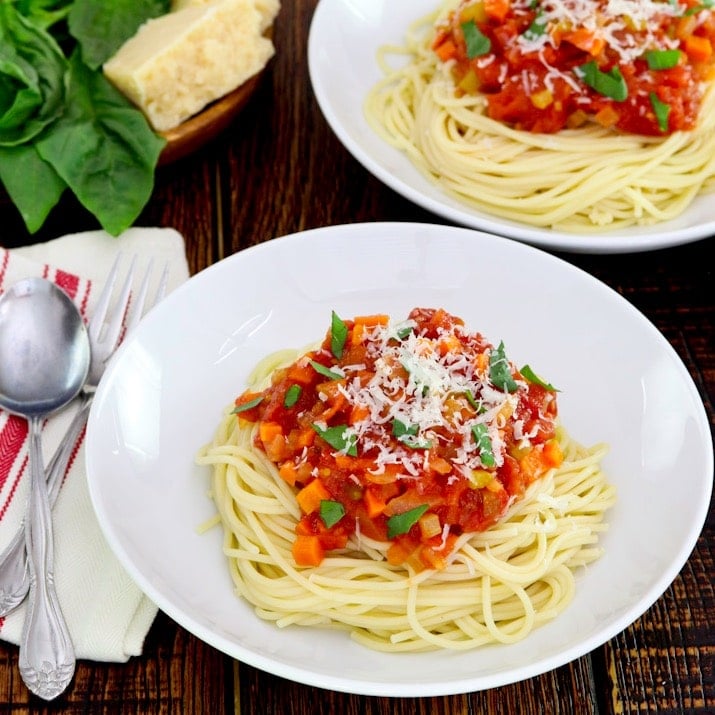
545,65
410,433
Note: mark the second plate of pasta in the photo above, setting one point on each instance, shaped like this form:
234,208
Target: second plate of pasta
349,46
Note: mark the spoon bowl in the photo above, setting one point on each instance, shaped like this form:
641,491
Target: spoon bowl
44,359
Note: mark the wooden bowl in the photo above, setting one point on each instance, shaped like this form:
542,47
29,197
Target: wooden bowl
207,124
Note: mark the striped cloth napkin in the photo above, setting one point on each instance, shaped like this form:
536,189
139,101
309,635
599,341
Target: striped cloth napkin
107,615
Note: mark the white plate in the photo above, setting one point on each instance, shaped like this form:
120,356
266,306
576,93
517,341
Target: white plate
162,397
342,47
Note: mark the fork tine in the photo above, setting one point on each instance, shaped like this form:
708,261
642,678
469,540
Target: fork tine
114,326
100,311
138,302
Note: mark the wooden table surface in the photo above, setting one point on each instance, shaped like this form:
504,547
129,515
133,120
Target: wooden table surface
279,169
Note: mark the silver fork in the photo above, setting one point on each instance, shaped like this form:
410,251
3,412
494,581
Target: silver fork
105,334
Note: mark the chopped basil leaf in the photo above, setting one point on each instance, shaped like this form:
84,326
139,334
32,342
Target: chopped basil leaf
338,334
477,43
499,370
662,110
402,333
400,429
662,59
417,444
292,395
325,371
537,27
339,437
247,405
481,436
402,523
472,400
531,376
331,512
609,84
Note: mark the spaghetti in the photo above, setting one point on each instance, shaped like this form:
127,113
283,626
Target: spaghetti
494,584
569,169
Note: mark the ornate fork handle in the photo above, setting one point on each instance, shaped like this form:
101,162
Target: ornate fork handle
14,571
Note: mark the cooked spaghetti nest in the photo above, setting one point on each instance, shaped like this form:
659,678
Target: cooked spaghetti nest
499,585
584,180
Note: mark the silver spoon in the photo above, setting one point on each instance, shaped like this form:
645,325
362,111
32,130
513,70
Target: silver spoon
44,358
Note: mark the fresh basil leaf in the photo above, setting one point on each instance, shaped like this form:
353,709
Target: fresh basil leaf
537,27
610,84
244,406
662,59
338,335
500,371
400,429
472,400
325,371
292,395
102,146
32,184
402,523
662,111
102,27
339,437
531,376
402,333
481,436
33,78
331,512
477,43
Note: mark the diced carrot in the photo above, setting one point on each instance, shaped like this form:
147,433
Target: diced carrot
372,319
585,40
301,372
288,472
446,51
398,552
698,48
358,414
429,525
440,465
497,9
357,334
310,496
308,551
374,502
607,116
431,559
448,344
268,430
553,456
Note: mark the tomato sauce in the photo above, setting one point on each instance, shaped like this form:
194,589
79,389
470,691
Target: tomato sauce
635,65
410,433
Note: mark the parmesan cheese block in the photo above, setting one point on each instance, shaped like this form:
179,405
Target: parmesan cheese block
267,9
178,63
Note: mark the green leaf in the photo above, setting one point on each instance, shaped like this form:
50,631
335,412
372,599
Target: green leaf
662,59
537,27
44,13
481,436
531,376
339,437
325,371
33,77
402,333
338,334
400,429
402,523
331,512
103,147
32,184
662,111
500,371
477,405
102,27
247,405
292,395
609,84
477,43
